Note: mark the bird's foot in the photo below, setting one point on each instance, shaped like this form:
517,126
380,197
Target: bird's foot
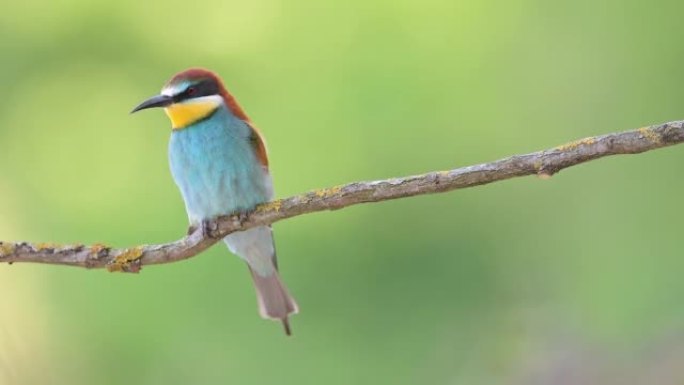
207,226
241,216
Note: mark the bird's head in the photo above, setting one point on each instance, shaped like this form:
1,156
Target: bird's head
191,96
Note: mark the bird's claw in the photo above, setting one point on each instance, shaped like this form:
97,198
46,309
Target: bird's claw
207,226
241,216
191,229
210,227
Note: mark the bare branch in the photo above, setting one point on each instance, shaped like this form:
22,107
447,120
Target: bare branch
542,163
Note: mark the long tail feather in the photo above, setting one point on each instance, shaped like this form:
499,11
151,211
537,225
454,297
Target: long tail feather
273,298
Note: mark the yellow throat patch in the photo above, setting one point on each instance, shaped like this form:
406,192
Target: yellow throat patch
187,113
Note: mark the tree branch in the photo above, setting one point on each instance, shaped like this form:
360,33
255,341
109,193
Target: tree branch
542,163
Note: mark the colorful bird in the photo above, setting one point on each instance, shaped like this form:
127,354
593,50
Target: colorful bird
218,160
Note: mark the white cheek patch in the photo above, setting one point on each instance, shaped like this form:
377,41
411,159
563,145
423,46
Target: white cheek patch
211,99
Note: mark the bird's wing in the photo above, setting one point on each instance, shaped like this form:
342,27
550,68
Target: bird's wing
259,145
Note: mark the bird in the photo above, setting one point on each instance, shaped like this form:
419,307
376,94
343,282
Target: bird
218,160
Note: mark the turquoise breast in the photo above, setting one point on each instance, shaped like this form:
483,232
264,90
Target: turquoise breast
215,167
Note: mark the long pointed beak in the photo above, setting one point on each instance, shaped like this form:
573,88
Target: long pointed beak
155,101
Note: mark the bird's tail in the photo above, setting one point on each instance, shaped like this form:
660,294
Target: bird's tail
273,299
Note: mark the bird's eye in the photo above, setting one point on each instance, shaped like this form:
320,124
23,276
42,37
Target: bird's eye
191,91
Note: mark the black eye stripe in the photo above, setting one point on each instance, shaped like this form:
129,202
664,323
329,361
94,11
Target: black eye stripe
205,87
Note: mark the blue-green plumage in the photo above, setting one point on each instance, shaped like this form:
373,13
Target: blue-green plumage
215,167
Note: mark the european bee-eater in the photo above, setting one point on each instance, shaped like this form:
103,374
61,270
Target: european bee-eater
218,160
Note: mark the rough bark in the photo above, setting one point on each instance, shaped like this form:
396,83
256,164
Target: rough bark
542,163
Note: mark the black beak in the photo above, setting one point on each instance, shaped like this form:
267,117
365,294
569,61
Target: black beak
155,101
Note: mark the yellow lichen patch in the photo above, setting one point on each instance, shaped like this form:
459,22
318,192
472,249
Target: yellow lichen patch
6,248
123,261
327,192
46,245
538,165
575,144
97,247
544,176
647,133
275,206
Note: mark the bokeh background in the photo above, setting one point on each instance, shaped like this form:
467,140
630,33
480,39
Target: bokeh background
577,279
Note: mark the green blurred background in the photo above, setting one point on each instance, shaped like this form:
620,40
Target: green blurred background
572,280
